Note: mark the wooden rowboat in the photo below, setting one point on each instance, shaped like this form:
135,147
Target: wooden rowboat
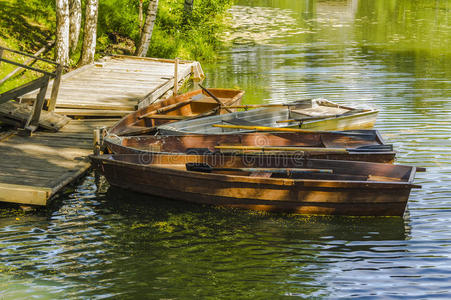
186,106
306,186
359,145
317,114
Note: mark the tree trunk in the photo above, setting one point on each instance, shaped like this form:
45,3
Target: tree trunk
140,17
62,32
75,23
90,33
188,7
146,33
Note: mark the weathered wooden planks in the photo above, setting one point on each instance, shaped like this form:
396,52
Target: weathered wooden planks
91,112
17,112
116,85
37,167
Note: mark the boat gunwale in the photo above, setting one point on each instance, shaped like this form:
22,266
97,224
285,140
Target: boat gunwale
351,184
144,151
359,114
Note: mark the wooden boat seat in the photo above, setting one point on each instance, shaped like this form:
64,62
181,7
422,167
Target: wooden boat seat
260,174
320,111
383,178
322,176
171,166
330,141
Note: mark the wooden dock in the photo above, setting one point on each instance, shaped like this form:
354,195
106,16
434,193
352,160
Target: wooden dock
117,85
35,168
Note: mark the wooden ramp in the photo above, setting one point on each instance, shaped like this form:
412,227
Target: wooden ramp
35,168
17,114
117,85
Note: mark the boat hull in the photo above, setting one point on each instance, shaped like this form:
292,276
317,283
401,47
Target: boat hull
317,197
327,142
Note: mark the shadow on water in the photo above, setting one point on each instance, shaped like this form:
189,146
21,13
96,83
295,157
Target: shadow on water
306,227
101,240
202,246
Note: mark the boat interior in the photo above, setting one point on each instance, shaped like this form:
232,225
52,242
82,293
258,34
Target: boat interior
185,106
354,140
275,167
284,115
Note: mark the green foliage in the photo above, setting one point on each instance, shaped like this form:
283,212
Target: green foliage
31,23
28,25
175,33
197,35
120,17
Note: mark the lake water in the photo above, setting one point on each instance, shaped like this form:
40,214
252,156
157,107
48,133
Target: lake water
100,242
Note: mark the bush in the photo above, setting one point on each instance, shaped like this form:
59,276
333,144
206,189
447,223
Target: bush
175,33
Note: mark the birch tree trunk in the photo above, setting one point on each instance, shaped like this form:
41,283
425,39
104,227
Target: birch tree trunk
140,15
146,33
90,33
62,32
75,23
188,7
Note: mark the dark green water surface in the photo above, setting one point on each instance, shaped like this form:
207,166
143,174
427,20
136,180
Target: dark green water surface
99,242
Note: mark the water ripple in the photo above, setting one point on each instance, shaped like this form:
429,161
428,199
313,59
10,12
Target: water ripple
101,242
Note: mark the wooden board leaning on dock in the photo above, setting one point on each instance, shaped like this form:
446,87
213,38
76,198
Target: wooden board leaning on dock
15,113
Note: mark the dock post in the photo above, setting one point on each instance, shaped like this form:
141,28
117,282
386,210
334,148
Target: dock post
55,87
33,120
176,77
197,74
96,141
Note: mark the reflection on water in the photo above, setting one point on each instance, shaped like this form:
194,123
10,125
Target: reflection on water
394,55
118,243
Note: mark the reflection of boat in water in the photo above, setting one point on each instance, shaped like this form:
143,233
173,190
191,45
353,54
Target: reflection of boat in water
306,186
336,229
297,228
318,114
360,145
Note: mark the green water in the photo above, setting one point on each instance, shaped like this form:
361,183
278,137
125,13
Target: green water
100,242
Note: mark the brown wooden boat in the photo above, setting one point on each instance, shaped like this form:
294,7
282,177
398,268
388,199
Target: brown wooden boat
185,106
306,186
359,145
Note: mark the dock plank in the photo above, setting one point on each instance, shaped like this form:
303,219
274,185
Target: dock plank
36,167
93,112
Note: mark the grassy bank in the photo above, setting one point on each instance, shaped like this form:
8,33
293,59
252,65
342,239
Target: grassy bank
28,24
24,26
